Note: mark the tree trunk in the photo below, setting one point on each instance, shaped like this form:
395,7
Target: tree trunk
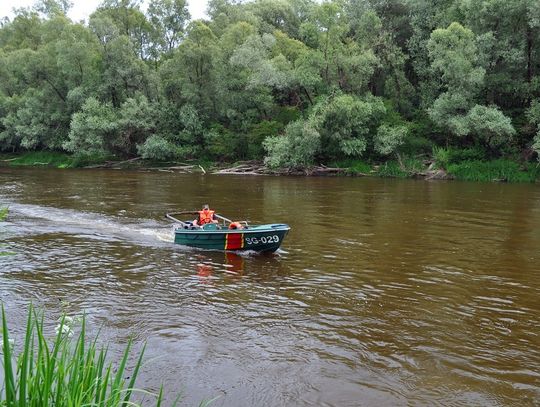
529,54
308,96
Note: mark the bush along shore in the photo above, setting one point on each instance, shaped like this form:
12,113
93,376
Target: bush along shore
444,164
403,88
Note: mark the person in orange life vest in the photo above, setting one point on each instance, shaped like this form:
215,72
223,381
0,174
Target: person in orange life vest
205,216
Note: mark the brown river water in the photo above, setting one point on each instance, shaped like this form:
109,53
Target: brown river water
385,293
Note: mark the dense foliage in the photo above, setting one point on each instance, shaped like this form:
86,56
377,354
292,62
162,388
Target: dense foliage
297,82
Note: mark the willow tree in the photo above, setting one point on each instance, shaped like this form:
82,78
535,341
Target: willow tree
455,56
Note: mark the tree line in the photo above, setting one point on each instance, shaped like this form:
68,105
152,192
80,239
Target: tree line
296,82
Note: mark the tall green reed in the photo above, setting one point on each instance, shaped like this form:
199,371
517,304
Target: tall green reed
65,370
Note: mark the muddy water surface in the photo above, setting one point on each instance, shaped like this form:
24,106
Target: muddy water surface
386,292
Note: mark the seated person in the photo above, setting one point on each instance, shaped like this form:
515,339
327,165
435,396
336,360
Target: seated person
205,216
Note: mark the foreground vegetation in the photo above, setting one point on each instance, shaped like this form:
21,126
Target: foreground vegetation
293,82
64,371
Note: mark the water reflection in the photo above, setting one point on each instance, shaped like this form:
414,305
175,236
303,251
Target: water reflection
227,267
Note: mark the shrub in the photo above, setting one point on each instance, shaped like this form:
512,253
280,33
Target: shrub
287,114
389,138
445,156
297,148
391,169
416,145
536,144
354,166
345,123
258,133
496,170
93,128
158,148
223,144
490,126
406,168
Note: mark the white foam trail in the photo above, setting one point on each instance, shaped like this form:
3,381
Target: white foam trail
93,222
164,236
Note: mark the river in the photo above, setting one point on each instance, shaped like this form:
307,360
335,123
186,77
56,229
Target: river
385,292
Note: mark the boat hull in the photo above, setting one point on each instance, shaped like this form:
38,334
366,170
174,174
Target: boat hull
263,238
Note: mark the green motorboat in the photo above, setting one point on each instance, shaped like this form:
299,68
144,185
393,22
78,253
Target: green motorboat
228,235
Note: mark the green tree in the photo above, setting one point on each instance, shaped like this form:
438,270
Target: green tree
455,56
168,19
53,8
127,17
122,73
533,114
507,38
306,81
136,121
297,148
93,129
490,126
389,138
337,126
345,123
188,76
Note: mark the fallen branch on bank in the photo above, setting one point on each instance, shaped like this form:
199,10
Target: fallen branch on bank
114,164
324,170
244,168
258,168
181,167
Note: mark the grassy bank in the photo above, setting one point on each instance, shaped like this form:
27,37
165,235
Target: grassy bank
496,170
53,159
38,158
66,370
480,170
466,165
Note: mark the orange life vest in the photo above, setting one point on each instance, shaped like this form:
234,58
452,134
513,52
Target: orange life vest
206,216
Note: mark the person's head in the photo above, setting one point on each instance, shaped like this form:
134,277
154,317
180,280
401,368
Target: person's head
206,207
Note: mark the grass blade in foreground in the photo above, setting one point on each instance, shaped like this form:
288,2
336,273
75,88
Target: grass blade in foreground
63,371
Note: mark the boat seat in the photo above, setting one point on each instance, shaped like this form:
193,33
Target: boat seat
210,226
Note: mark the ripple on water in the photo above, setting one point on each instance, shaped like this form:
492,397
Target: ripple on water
430,298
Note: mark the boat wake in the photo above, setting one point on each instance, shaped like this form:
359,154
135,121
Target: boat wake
37,219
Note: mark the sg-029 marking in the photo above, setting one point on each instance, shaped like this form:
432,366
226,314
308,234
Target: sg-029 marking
263,239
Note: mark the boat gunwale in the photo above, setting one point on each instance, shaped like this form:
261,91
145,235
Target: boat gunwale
228,231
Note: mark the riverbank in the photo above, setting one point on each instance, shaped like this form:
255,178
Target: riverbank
429,168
